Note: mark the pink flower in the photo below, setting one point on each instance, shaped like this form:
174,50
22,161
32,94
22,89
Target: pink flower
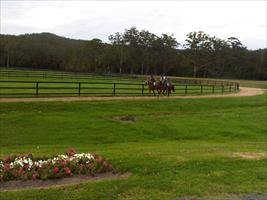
26,166
56,169
63,163
20,170
6,166
67,170
70,152
34,176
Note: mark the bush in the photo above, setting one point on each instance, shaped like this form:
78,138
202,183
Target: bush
25,167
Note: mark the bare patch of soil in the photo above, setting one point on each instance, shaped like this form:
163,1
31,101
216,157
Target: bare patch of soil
243,92
127,118
16,185
250,196
250,155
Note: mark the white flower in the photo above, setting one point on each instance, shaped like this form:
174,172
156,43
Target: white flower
1,166
22,161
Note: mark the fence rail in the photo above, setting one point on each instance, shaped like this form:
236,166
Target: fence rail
63,75
9,73
64,88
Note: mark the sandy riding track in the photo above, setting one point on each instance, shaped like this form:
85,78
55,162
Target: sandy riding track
244,91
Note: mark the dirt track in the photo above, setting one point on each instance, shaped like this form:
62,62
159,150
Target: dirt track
244,91
17,185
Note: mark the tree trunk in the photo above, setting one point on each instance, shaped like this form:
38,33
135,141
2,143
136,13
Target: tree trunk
195,71
142,68
121,62
7,62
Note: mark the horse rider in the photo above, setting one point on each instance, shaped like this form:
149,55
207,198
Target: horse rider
161,78
164,81
153,80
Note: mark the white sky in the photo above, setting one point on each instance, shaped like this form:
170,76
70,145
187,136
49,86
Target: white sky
245,20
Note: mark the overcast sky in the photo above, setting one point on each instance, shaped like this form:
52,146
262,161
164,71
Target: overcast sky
98,19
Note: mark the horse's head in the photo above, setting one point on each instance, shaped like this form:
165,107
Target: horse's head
149,83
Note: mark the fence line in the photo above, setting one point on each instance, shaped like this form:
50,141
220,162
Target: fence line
121,77
41,88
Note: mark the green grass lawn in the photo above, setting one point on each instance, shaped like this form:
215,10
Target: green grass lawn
175,148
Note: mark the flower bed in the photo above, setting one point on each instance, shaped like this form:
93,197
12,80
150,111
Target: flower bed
26,167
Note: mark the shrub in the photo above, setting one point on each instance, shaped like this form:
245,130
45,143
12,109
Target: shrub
25,167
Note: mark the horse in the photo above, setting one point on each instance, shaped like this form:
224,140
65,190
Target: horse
152,86
168,88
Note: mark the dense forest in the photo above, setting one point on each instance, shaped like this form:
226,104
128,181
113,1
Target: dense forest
137,52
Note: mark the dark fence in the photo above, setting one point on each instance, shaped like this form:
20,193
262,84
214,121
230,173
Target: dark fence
64,75
5,72
50,88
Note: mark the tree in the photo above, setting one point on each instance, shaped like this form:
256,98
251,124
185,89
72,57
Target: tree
134,51
199,47
119,46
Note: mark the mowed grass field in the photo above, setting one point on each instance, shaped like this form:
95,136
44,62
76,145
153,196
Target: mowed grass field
174,148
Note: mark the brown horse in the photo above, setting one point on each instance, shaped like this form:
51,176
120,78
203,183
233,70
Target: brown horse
168,88
154,86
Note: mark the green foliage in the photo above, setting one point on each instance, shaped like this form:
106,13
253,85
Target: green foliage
139,52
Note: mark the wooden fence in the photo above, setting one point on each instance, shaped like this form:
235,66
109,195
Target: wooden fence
63,75
64,88
40,74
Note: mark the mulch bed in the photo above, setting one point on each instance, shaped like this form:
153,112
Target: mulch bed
16,185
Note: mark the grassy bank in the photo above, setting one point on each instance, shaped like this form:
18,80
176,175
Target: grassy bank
174,148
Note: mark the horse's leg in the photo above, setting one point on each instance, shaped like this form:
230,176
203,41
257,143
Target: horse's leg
150,89
164,91
154,92
158,91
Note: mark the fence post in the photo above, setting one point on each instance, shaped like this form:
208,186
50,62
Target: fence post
114,89
185,91
37,89
222,88
230,88
143,89
213,89
79,89
201,89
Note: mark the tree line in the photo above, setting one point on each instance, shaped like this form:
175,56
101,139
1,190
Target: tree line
137,52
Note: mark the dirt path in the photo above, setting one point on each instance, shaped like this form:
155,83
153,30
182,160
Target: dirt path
249,196
17,185
244,91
